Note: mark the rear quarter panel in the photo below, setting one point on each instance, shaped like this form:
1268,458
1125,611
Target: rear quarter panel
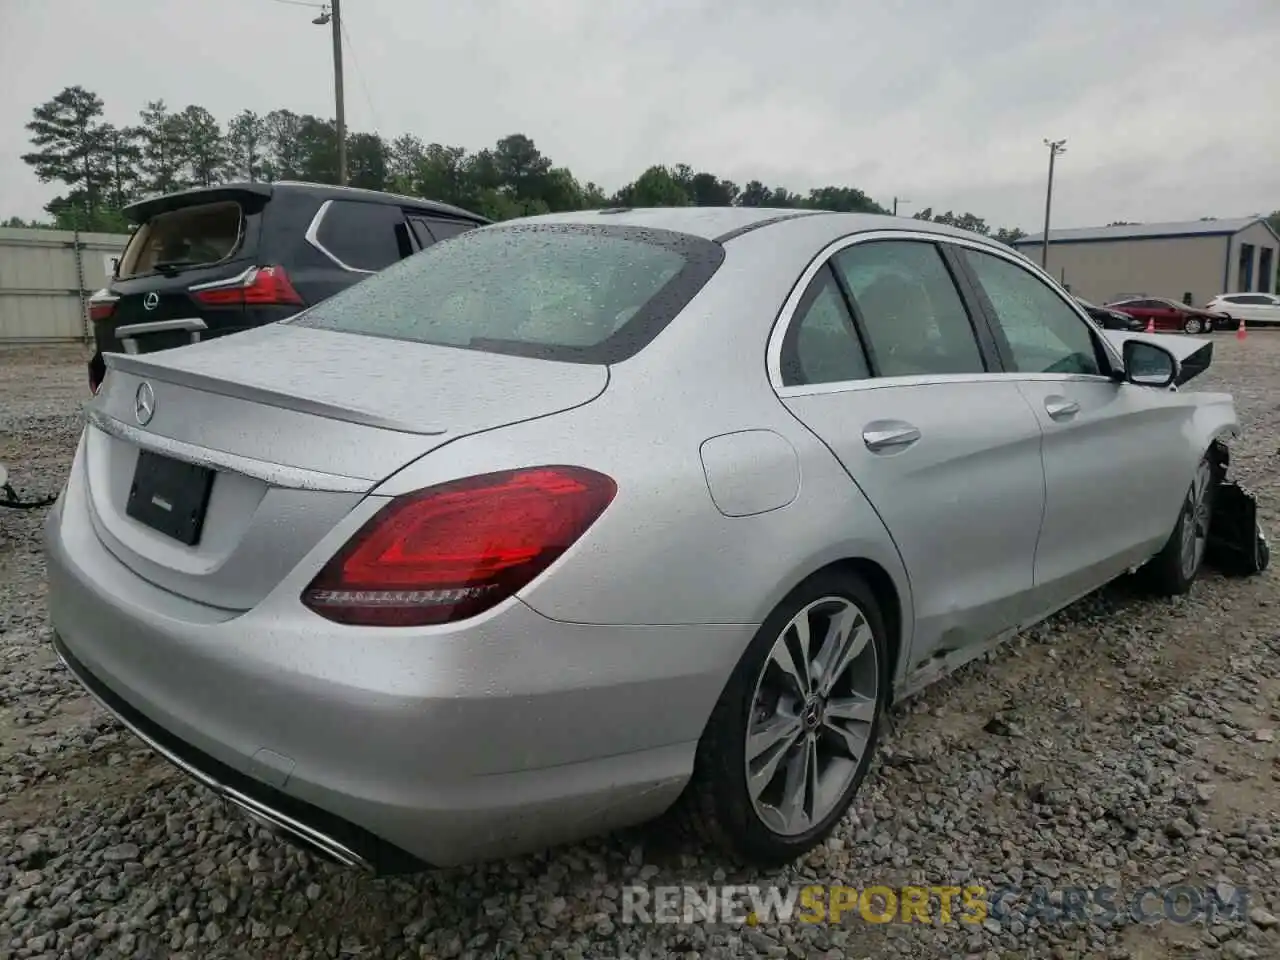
663,553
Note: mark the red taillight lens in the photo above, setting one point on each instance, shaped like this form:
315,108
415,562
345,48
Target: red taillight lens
262,286
100,308
454,550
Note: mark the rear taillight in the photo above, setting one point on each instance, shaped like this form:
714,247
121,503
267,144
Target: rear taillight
258,286
101,306
452,551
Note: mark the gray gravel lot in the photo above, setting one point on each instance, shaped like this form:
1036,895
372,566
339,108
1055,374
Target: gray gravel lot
1126,743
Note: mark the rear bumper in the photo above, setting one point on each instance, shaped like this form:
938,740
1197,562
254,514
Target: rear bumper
385,747
308,826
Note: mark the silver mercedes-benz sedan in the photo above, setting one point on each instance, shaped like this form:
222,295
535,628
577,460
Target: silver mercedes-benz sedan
571,519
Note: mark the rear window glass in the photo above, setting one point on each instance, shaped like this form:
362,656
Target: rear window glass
189,236
576,292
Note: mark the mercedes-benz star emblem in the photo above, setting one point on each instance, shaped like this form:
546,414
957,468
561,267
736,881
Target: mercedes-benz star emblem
812,714
151,300
144,403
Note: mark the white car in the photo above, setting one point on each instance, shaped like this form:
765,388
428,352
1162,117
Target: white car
1261,308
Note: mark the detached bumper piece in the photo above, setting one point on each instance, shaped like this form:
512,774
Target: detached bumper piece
320,833
1237,545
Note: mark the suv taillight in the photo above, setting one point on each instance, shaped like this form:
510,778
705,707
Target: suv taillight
258,286
101,306
452,551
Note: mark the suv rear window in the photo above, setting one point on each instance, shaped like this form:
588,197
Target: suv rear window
197,235
578,292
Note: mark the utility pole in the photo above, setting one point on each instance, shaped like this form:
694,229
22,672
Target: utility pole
895,204
340,119
1056,147
337,94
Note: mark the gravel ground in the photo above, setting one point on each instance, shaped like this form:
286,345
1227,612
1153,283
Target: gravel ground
1125,743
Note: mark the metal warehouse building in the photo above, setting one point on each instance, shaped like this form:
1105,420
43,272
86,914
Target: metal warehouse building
1202,258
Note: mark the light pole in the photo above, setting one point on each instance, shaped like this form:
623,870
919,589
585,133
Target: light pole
896,201
340,119
1056,147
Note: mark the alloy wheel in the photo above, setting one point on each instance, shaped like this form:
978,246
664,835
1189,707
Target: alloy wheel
812,712
1195,526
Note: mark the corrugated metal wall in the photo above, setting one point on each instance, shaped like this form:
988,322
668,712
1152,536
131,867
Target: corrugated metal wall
44,280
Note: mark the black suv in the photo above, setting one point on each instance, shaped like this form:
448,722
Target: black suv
216,260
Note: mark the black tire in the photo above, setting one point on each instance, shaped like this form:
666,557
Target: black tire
716,806
1166,574
97,369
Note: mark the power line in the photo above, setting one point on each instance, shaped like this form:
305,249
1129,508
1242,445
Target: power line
355,62
302,3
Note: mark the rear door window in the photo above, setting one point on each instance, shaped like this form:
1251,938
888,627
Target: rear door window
198,235
822,344
577,292
444,229
429,230
360,235
421,232
915,321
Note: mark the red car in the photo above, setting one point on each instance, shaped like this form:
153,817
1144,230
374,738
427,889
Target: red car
1172,315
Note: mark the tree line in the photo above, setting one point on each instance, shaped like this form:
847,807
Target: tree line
104,166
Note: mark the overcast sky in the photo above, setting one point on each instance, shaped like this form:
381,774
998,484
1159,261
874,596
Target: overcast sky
1168,107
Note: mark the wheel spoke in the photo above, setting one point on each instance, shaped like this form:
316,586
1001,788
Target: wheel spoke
1195,528
1201,483
847,636
811,779
1202,518
852,738
777,731
797,798
857,708
796,671
805,642
759,776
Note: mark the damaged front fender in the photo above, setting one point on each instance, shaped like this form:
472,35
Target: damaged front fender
1237,545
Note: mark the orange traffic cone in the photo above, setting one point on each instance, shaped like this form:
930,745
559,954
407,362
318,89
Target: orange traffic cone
1240,331
1151,325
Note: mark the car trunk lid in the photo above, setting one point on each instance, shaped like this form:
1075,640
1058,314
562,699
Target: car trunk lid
296,425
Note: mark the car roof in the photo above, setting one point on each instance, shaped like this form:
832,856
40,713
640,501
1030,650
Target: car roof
150,206
723,224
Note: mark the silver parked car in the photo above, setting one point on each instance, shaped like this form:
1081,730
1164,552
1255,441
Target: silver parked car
568,520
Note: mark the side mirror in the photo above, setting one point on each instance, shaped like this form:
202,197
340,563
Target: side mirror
1148,365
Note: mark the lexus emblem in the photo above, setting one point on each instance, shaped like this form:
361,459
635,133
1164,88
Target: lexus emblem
144,403
151,300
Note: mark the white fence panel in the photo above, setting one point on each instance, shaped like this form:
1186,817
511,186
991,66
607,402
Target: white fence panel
45,277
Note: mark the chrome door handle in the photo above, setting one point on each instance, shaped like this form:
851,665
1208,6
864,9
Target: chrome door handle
1060,408
889,436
